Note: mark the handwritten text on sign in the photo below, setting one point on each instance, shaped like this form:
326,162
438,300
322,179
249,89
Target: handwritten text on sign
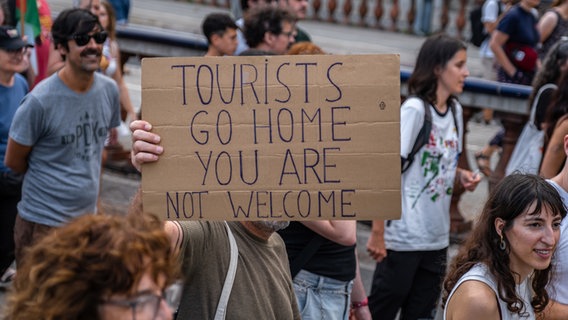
279,137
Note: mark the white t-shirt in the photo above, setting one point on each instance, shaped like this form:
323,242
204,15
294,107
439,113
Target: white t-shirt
558,287
427,185
489,13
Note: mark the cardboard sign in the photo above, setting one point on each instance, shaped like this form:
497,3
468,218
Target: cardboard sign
274,137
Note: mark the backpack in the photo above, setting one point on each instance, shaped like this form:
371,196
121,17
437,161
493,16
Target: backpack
424,133
478,33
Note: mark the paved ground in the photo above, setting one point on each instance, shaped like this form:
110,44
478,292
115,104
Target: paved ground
118,188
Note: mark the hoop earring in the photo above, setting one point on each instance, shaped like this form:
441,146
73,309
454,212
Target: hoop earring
502,244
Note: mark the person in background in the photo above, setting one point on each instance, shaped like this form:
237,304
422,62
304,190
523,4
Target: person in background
221,33
122,9
490,12
97,267
557,309
552,26
547,78
556,127
246,5
269,28
423,23
514,44
411,252
43,42
544,85
14,59
59,130
110,61
502,270
300,9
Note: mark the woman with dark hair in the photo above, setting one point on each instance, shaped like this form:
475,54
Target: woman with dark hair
504,266
97,267
411,252
556,127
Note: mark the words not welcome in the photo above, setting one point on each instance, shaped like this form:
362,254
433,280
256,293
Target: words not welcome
276,137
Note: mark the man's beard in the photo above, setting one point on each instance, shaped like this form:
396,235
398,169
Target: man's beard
271,225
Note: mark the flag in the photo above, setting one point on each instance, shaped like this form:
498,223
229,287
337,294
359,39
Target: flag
31,14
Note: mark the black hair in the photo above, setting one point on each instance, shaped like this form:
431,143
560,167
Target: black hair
71,22
217,23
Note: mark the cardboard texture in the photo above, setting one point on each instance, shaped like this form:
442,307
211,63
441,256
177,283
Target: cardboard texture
275,137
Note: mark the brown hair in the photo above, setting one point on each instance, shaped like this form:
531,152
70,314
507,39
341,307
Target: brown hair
69,272
111,28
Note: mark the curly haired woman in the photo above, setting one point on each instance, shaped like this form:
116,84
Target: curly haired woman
96,267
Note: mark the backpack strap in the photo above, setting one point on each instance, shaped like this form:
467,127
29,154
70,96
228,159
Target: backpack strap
230,277
423,136
424,133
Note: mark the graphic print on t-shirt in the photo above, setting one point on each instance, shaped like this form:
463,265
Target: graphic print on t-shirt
434,166
87,136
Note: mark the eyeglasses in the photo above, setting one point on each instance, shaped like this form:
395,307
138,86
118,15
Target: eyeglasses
289,34
83,39
143,306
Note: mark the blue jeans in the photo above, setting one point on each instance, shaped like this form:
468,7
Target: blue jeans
322,297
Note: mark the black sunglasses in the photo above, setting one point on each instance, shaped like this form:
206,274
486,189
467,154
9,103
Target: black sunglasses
83,39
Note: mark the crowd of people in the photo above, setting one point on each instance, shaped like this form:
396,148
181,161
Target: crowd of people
74,261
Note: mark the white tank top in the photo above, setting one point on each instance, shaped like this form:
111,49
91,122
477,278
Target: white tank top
480,273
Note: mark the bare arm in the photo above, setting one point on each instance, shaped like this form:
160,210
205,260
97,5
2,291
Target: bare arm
556,311
173,229
343,232
490,26
473,300
125,101
54,62
358,295
554,155
546,25
17,156
376,243
498,39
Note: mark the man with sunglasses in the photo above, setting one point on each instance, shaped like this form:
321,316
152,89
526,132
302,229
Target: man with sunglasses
59,131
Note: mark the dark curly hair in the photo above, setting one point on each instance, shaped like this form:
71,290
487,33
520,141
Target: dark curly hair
513,196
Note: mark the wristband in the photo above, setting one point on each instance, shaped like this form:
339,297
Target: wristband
359,304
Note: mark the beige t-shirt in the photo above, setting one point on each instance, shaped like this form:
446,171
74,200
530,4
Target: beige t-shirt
262,288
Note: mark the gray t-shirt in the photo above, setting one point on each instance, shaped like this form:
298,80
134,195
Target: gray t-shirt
66,131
